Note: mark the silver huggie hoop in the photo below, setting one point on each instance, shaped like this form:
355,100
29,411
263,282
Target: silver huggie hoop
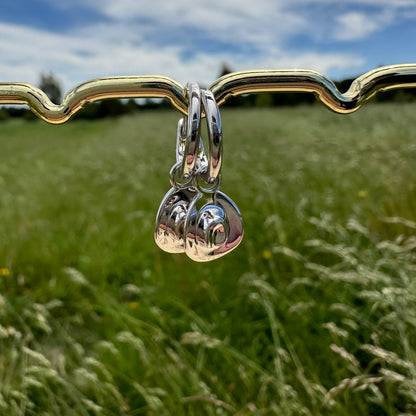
192,126
211,174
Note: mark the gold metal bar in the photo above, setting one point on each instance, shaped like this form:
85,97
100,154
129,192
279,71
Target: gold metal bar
360,91
146,86
238,83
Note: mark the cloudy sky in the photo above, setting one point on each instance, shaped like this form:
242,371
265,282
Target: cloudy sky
79,40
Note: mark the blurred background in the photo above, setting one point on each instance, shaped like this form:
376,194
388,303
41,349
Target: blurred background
313,314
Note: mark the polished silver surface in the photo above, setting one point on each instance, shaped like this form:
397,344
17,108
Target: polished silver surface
190,130
171,218
201,162
213,227
214,128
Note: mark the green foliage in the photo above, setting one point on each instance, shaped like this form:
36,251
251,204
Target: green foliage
4,115
314,313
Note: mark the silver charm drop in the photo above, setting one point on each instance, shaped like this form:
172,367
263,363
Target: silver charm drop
213,226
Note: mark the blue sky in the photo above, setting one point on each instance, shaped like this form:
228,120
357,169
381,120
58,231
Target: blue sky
79,40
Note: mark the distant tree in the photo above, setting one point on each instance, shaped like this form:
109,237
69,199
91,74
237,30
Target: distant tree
131,106
225,70
51,87
112,107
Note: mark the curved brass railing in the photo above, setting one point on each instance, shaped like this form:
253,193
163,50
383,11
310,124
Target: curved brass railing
154,86
360,91
149,86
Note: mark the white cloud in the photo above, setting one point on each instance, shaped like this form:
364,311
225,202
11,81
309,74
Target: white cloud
257,23
111,49
356,26
261,25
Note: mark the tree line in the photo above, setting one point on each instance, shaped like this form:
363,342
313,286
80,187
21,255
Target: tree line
116,107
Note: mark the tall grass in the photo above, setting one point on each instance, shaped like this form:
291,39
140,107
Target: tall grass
314,313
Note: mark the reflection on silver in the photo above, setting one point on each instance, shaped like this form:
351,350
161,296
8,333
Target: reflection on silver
190,130
214,128
171,217
201,162
213,226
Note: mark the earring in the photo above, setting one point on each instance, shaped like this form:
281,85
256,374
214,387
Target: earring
194,216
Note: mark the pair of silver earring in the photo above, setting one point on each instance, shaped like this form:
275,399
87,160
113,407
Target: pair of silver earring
195,217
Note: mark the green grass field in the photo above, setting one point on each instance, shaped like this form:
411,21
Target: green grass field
313,314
